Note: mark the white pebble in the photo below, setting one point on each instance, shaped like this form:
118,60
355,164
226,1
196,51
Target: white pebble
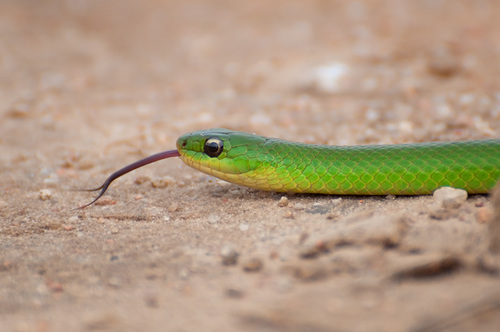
244,227
73,219
283,201
229,255
449,197
213,219
328,78
45,194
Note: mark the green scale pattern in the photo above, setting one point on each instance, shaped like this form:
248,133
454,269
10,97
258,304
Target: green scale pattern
409,169
406,169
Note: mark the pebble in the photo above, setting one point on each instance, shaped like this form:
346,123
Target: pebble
141,179
244,227
253,264
283,201
229,255
450,198
173,207
213,219
288,215
327,78
162,182
443,63
73,219
45,194
308,272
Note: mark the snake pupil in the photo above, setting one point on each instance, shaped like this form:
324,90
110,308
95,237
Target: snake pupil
213,147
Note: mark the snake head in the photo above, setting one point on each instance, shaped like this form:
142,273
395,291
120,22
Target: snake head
221,152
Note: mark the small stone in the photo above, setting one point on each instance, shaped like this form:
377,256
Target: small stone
442,214
229,255
327,78
73,219
114,230
253,265
450,198
288,215
52,226
283,201
141,179
173,207
309,272
479,204
443,63
213,219
162,182
45,194
333,216
244,227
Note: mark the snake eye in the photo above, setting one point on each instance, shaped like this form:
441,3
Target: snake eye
213,147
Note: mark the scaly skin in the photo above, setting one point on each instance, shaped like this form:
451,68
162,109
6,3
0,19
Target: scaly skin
407,169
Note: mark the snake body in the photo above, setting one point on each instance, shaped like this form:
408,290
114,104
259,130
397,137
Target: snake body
276,165
406,169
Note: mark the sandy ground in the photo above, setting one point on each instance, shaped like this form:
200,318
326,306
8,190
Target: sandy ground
89,86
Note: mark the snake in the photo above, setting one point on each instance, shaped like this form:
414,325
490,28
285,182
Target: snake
272,164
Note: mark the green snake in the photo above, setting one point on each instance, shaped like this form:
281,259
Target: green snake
276,165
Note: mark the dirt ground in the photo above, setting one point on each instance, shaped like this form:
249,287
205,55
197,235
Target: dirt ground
88,86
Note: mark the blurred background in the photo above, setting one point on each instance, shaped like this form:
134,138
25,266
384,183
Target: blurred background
325,71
